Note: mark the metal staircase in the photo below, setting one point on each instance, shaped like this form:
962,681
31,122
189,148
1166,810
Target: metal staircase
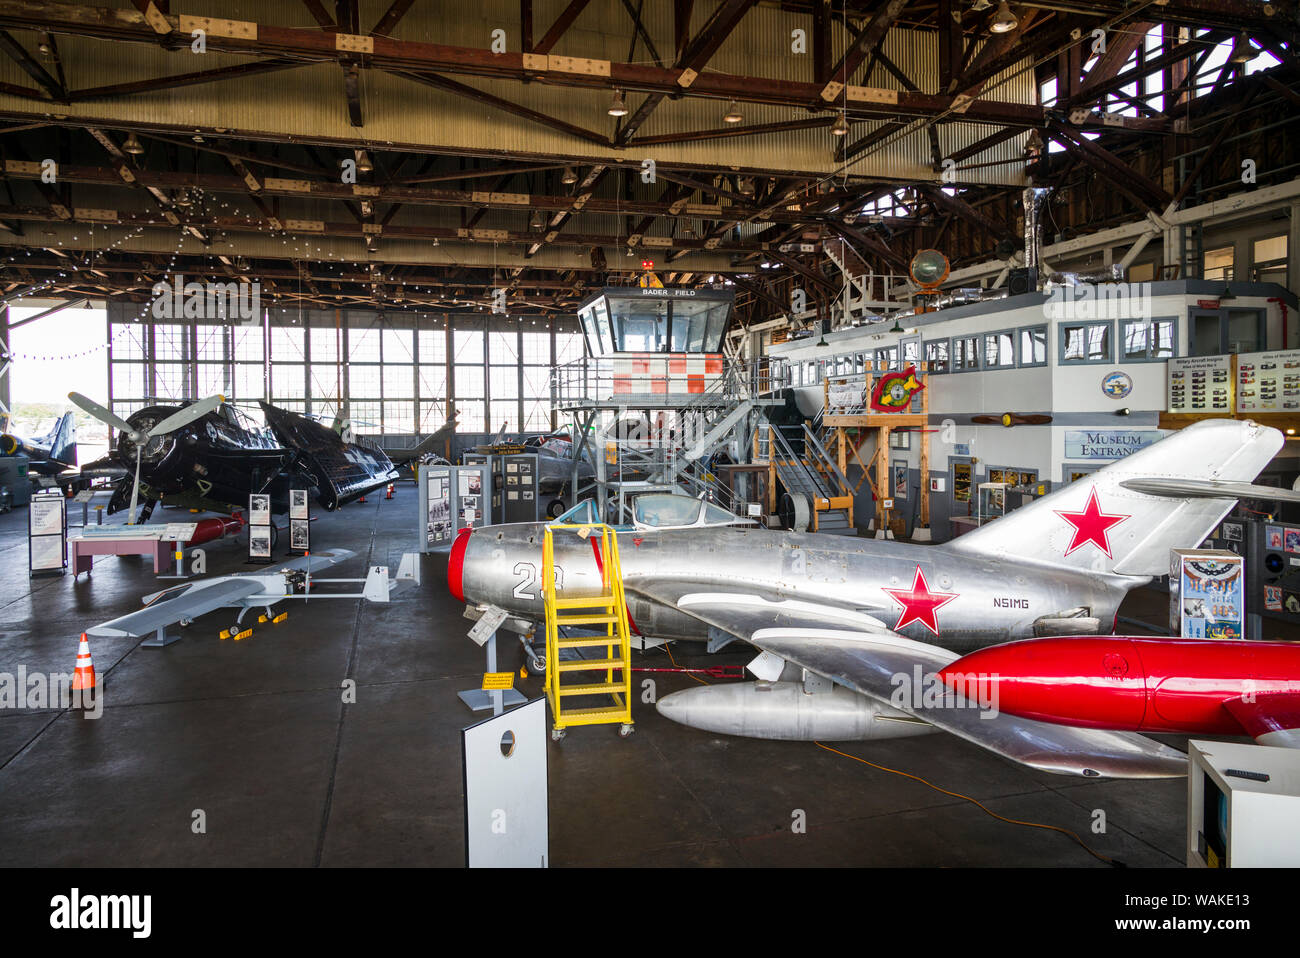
818,496
605,615
854,268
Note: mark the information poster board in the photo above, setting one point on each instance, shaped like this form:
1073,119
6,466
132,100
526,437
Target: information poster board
1200,384
520,477
259,528
1268,382
435,506
1207,594
451,498
47,534
299,522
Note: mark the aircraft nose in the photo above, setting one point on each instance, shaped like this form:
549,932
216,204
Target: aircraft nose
456,565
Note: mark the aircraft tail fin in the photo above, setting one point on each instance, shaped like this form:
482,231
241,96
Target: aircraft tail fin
1104,523
63,440
430,443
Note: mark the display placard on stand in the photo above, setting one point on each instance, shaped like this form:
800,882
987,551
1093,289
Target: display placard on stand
47,534
259,528
299,522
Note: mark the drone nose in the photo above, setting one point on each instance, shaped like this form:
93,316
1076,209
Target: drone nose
456,565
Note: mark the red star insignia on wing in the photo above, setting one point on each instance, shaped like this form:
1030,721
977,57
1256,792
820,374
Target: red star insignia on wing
919,603
1091,525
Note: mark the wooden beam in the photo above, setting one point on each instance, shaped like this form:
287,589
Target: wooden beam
560,26
391,18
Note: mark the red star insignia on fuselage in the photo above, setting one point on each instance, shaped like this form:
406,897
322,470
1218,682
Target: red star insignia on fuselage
1091,525
919,603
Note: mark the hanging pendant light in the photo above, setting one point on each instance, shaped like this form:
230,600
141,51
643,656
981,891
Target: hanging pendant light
733,114
363,162
619,106
1242,51
569,177
1004,21
841,127
132,145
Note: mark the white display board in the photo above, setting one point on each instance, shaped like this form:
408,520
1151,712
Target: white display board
259,527
507,822
1268,382
299,522
1199,384
47,533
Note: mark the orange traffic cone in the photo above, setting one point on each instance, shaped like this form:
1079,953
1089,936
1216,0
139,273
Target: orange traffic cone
84,676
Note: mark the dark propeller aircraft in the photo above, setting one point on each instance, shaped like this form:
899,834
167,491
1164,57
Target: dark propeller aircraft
48,455
209,455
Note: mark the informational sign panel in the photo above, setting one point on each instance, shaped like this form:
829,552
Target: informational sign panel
1200,384
1269,382
1207,594
851,396
472,490
47,534
435,506
1107,445
299,522
259,528
520,477
506,818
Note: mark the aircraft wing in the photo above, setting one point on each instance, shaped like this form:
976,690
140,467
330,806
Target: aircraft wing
874,661
317,560
340,471
187,601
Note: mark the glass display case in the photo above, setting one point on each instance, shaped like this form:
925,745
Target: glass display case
992,501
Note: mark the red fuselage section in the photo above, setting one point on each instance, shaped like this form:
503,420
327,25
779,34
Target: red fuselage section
1131,684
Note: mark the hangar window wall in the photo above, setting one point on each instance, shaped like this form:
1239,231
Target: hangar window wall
396,369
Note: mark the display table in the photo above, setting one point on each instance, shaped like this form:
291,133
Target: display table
135,544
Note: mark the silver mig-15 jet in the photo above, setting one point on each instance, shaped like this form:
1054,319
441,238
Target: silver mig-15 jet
849,627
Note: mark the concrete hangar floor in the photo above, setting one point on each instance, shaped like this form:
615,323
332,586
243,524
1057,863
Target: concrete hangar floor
255,733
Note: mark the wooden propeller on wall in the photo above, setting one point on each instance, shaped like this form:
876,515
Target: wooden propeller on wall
1013,419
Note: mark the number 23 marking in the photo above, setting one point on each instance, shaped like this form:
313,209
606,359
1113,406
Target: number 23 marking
527,573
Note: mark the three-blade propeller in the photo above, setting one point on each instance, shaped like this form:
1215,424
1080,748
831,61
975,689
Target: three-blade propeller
177,420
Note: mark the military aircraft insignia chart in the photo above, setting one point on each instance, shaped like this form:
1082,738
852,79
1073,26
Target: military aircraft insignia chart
182,604
821,607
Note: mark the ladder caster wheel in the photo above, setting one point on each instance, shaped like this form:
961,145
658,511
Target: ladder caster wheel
625,730
557,734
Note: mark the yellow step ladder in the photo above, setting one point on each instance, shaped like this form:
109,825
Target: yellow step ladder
607,610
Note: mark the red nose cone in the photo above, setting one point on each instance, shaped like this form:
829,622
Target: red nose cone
456,567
